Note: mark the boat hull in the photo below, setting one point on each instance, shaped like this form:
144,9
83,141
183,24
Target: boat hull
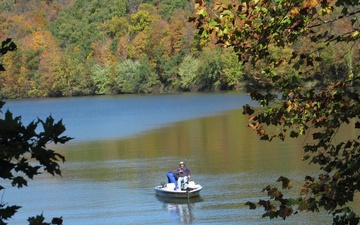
168,191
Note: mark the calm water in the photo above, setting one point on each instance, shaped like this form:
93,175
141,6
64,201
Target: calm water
124,146
111,117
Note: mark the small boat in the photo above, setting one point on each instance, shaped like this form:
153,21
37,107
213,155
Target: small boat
167,190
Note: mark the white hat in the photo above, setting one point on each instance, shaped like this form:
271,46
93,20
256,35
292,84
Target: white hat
181,162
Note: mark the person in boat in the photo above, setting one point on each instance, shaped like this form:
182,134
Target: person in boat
184,174
172,177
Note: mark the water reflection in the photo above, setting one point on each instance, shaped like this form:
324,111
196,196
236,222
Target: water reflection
111,181
180,209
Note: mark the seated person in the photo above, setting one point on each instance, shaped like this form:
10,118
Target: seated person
184,174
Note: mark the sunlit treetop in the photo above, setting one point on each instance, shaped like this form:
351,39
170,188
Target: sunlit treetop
251,26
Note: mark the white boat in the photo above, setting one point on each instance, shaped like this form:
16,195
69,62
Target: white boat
167,190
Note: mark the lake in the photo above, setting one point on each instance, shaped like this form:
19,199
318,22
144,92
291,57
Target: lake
124,145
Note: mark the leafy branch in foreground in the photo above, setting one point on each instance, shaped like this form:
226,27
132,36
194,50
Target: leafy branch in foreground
311,30
24,151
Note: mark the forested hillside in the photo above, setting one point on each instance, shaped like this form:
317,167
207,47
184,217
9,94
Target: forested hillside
75,47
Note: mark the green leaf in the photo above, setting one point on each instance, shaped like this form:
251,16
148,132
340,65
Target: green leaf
265,137
213,23
271,214
353,20
294,201
228,14
294,134
251,205
201,12
7,212
355,34
340,38
248,109
317,136
204,34
303,205
306,157
19,182
286,183
57,220
38,220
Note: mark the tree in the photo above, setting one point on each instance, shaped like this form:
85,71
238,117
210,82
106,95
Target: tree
150,82
168,7
73,75
188,71
78,26
116,27
210,69
232,69
128,76
255,27
102,78
140,21
24,151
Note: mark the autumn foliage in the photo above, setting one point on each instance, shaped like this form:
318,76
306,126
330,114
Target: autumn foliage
70,48
307,55
298,59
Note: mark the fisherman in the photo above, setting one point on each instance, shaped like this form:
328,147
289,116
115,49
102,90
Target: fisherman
184,174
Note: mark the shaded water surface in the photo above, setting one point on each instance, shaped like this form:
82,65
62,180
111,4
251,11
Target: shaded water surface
125,145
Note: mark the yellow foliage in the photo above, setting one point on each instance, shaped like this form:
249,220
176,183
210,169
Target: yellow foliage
122,47
140,43
140,21
77,48
116,27
147,7
38,20
311,3
295,11
39,40
101,51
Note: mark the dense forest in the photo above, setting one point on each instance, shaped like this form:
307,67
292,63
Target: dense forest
75,47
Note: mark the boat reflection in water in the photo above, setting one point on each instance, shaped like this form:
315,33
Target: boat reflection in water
180,209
